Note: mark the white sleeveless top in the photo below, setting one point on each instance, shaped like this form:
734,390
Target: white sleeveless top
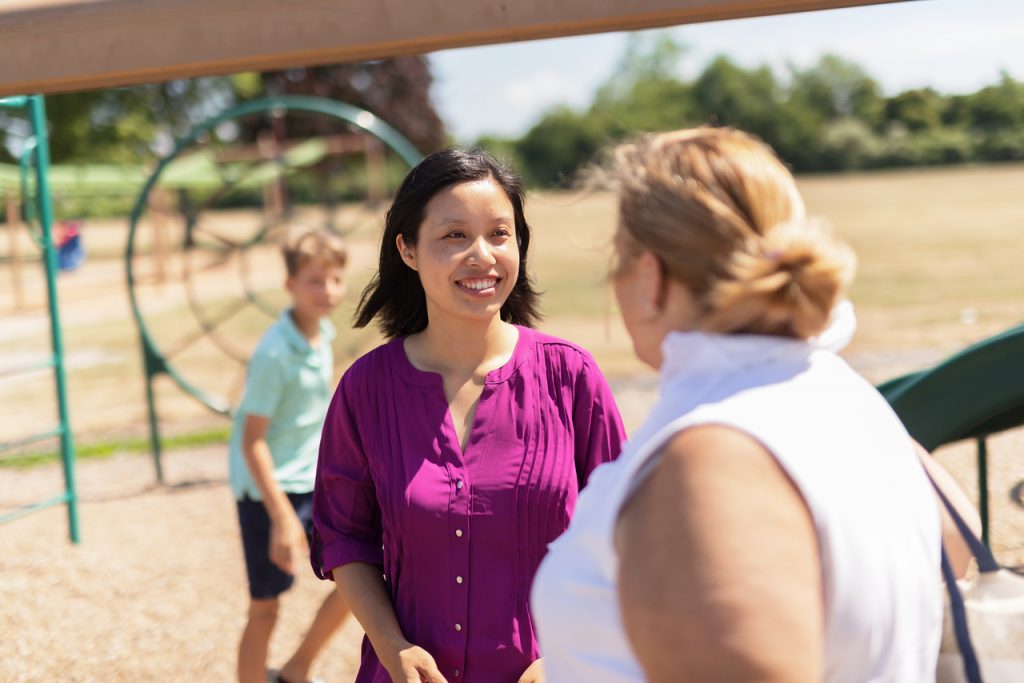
873,509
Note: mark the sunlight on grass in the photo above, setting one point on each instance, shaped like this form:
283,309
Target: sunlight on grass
938,269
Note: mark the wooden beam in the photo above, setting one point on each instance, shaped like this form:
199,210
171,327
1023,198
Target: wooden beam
60,45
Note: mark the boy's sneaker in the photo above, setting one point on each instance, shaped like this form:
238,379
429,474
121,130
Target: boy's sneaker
274,676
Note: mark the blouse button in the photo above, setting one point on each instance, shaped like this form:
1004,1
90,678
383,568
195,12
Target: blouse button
458,533
458,484
458,579
458,627
456,673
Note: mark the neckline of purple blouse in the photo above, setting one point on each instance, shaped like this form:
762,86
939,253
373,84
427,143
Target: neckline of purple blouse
412,374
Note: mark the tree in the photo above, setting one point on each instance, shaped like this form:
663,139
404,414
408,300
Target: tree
725,93
846,145
644,93
835,89
558,145
917,110
648,57
998,106
396,90
120,125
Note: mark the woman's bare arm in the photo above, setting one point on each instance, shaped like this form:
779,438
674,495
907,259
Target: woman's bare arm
959,554
363,588
719,571
287,536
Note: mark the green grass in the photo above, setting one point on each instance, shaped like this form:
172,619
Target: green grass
99,450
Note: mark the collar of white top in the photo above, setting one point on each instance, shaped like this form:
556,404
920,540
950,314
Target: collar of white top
694,351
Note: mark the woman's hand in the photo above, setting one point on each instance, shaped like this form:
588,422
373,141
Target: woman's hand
362,586
412,664
534,673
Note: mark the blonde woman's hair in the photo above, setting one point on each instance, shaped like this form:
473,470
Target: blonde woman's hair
302,245
724,217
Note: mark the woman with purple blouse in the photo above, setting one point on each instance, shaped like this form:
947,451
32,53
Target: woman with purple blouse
453,454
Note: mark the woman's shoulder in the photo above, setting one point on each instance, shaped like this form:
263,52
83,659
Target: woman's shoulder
557,346
550,350
373,367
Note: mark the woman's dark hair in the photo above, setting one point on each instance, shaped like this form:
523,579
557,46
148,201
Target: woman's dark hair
395,295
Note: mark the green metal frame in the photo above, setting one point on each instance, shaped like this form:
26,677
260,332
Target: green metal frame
974,394
154,361
37,150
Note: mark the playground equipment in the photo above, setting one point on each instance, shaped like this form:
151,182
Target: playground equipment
974,394
263,153
56,46
38,209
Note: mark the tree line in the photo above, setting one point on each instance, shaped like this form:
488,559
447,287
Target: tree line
831,116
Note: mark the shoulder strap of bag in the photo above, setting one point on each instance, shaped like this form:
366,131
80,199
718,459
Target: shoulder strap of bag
958,612
972,671
982,553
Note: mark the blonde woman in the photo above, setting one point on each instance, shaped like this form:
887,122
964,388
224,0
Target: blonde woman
770,521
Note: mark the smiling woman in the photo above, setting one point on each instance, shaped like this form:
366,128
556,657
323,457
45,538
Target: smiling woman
442,201
468,249
452,455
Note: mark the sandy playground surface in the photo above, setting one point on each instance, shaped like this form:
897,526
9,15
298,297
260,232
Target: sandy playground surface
156,591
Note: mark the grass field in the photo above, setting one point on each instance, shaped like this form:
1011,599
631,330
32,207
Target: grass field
938,268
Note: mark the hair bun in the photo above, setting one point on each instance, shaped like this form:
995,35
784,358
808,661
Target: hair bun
785,283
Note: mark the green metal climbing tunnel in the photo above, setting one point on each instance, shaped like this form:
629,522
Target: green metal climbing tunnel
226,196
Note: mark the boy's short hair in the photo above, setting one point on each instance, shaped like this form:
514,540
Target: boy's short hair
303,245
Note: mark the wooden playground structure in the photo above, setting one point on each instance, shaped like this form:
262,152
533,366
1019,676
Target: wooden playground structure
61,45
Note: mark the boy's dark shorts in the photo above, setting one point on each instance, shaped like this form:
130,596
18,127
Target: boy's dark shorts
266,581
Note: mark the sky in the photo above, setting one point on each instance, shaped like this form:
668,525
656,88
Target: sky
954,46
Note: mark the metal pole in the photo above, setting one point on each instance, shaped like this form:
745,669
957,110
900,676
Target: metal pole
983,487
154,423
37,116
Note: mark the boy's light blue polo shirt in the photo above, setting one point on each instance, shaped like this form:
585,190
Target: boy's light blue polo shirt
290,382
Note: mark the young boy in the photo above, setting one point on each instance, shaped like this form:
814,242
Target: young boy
273,452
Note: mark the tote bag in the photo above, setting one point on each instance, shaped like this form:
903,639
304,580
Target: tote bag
983,627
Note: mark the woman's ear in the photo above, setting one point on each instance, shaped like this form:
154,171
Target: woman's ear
406,252
652,282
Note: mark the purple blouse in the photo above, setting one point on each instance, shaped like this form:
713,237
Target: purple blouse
459,535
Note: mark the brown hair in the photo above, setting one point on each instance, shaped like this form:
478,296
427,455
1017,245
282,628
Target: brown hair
723,215
303,245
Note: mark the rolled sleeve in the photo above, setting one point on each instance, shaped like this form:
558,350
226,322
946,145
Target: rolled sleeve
346,514
596,421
